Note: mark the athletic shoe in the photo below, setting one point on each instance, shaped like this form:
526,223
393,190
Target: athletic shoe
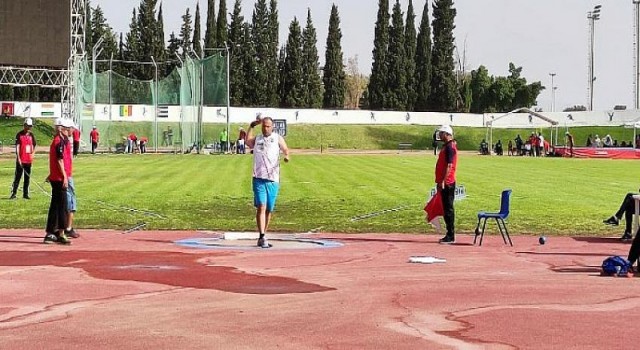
63,239
72,233
263,243
611,221
50,239
447,240
626,236
13,196
26,196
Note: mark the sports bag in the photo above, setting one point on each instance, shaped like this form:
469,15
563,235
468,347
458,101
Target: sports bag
615,266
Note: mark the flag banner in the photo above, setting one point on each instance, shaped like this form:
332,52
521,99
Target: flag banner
163,111
7,108
126,110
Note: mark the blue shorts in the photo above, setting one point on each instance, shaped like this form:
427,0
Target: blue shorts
265,192
72,203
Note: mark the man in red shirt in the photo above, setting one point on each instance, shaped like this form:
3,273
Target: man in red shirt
72,202
75,131
94,135
57,217
446,180
25,149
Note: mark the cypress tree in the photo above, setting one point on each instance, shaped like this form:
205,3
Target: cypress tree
147,29
132,45
443,82
101,29
197,46
377,90
260,38
396,61
236,35
310,66
271,56
281,71
88,31
293,77
210,40
422,84
160,51
410,52
222,33
334,75
172,51
185,33
250,95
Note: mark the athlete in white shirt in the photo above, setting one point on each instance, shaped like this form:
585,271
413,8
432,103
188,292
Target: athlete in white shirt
266,172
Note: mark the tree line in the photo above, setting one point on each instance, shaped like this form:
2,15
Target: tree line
413,69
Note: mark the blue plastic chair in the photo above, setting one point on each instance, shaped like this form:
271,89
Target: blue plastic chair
499,217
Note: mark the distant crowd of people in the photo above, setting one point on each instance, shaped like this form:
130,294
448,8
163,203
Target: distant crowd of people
534,146
607,141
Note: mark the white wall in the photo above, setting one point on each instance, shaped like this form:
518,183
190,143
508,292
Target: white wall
318,116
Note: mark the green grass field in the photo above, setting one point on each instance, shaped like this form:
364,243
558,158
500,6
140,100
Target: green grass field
551,196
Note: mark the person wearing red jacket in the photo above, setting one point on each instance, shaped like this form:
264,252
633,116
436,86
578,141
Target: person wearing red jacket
57,217
94,137
25,149
445,174
75,132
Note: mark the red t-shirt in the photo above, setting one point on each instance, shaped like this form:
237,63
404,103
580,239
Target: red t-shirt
57,152
95,135
68,159
26,143
76,135
133,137
448,155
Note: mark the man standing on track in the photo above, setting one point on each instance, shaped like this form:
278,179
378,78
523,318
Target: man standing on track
57,217
75,131
446,180
266,172
72,203
25,149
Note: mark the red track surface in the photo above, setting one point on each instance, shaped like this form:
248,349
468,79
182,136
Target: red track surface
141,291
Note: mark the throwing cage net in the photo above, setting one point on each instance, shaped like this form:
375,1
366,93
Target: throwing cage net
167,110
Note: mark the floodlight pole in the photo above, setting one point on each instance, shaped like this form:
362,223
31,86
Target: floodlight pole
199,130
181,115
155,106
592,16
94,86
553,93
110,100
226,47
636,62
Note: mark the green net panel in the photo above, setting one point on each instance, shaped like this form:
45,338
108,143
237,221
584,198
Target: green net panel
187,87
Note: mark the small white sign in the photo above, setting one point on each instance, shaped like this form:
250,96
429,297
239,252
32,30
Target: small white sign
426,260
461,193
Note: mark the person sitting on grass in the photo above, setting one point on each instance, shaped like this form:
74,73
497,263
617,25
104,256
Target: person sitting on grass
627,208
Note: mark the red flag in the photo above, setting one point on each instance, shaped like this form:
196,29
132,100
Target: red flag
434,207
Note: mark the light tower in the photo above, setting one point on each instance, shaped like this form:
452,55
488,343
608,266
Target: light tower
553,92
592,16
636,55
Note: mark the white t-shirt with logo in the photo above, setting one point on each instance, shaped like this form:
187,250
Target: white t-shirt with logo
266,154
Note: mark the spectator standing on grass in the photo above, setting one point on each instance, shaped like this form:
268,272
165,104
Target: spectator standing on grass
132,141
510,148
266,173
569,143
589,142
57,216
72,202
435,143
223,140
519,145
242,137
143,144
94,137
541,147
25,149
75,132
445,174
498,148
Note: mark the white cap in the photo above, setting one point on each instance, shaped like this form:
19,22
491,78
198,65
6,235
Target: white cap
28,122
93,127
67,123
446,129
59,121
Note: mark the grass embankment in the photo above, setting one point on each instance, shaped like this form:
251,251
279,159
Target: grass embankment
551,196
306,136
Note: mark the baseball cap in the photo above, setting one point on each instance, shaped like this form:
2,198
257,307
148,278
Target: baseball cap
446,129
28,122
59,121
68,123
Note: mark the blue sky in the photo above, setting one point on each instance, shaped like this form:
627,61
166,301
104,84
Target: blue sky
542,36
